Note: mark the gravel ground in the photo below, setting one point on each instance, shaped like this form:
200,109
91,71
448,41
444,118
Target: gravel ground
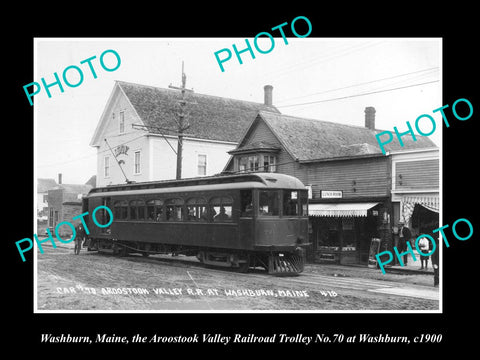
97,282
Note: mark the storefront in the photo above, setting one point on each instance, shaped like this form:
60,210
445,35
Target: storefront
416,191
420,212
342,232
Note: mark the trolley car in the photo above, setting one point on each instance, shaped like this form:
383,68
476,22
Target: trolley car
238,221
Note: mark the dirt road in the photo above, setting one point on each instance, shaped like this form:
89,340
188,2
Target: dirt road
96,282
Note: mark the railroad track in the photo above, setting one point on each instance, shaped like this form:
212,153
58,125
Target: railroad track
304,278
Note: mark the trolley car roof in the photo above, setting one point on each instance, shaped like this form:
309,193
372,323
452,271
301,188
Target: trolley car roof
223,182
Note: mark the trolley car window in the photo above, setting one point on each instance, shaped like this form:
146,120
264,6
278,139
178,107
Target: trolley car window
137,210
154,210
221,208
196,209
268,204
120,210
304,202
174,209
290,203
246,202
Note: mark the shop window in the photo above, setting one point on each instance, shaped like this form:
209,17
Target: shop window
246,203
120,210
174,210
221,208
349,239
154,210
268,204
328,234
196,209
290,203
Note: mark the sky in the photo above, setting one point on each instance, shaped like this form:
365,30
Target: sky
330,79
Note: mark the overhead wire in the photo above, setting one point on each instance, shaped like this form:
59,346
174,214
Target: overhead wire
356,95
366,83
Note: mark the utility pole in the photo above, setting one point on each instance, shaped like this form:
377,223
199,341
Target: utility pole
182,126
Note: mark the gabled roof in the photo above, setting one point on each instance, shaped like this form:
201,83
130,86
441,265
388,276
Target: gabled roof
209,117
312,140
43,185
256,147
74,188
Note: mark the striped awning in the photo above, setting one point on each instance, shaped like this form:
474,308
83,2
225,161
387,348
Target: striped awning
340,210
408,202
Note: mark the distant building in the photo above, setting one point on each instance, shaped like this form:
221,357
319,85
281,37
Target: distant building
64,203
348,177
43,185
146,151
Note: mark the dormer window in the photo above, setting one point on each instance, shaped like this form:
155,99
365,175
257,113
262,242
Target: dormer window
256,162
269,163
259,156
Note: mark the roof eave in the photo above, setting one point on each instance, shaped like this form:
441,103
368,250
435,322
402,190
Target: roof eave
339,158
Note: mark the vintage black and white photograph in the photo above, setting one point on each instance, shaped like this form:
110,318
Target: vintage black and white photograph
271,174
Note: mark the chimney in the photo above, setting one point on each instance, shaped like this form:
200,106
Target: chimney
370,117
59,178
268,94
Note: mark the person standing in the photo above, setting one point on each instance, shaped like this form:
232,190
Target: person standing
436,262
80,235
423,244
404,235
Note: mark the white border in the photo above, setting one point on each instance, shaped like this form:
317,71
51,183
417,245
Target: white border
35,113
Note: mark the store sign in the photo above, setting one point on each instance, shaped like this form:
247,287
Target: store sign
330,194
121,149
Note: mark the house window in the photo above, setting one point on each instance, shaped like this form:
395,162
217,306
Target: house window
202,165
258,162
106,166
50,217
136,169
269,163
253,163
122,122
242,164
